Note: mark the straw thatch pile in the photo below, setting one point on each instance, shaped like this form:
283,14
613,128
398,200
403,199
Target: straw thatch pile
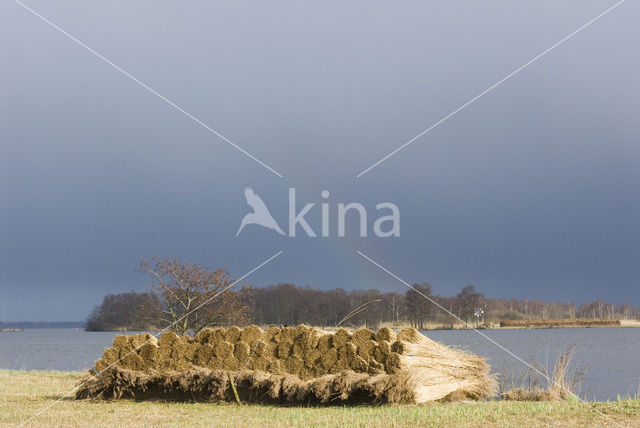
290,364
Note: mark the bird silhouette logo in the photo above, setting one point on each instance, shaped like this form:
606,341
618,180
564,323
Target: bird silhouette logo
260,214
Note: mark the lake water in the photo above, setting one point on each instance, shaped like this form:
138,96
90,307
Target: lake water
611,355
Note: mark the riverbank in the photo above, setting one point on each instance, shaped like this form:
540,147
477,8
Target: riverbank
25,394
518,325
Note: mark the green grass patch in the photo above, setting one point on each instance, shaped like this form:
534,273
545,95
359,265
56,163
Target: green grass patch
25,394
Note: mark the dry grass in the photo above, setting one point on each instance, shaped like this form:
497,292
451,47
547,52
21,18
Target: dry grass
542,384
630,323
25,394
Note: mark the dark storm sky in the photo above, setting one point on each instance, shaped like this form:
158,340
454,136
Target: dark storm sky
530,191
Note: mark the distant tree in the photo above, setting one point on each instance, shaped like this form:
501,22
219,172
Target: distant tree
470,304
395,303
419,309
597,309
184,287
125,311
179,288
627,311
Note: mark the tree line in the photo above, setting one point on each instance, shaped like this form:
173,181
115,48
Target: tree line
190,297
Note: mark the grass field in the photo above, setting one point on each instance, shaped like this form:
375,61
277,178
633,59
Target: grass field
25,394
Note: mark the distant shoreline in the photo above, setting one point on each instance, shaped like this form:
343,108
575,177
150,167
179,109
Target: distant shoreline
545,324
10,325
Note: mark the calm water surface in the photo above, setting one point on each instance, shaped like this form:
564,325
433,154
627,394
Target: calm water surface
611,355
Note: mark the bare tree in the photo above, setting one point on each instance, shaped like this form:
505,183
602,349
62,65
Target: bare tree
183,287
180,287
419,309
125,312
470,303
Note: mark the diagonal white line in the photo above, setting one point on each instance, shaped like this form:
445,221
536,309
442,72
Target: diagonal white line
145,86
155,335
479,332
490,88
